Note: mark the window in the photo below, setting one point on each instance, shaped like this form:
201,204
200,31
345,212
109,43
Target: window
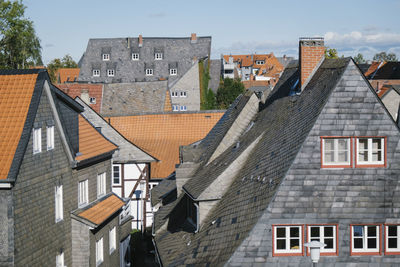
287,240
99,252
326,234
60,260
110,73
260,62
96,73
59,203
173,72
92,100
37,140
336,152
183,108
112,238
174,94
183,94
365,239
149,72
106,57
175,107
158,56
191,211
370,151
50,137
83,193
116,174
135,56
392,239
101,184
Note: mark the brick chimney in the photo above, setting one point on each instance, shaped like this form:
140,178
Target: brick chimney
193,38
140,40
311,55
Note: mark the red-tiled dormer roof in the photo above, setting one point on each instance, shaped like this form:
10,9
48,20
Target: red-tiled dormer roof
15,98
94,91
102,210
91,142
162,134
67,75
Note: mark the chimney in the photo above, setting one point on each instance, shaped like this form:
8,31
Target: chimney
193,38
140,40
311,55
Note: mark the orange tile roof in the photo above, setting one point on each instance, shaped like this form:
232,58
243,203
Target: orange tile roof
102,210
374,66
167,103
91,142
15,97
161,135
383,90
75,89
67,75
251,83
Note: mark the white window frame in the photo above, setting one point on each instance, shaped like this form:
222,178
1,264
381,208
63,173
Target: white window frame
175,107
60,260
173,72
260,62
336,162
365,238
37,140
182,108
113,239
397,236
106,57
287,239
158,56
174,94
149,72
96,73
99,252
322,238
135,56
110,72
58,203
101,184
119,173
370,151
183,94
92,100
83,193
50,137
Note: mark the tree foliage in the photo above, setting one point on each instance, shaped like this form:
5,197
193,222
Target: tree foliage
382,56
19,45
55,64
228,91
210,101
359,59
331,53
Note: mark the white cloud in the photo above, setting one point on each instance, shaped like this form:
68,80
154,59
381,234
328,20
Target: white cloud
359,38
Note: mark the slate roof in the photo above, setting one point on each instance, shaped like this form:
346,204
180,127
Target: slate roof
162,189
76,89
387,71
91,142
123,99
161,134
180,51
67,75
100,210
127,151
16,91
364,67
283,122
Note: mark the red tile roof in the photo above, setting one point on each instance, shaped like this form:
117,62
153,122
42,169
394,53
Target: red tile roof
374,66
15,98
161,135
76,89
67,75
102,210
91,142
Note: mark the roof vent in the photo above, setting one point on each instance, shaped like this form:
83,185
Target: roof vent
193,38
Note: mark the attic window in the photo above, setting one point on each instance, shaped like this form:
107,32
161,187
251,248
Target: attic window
110,73
192,212
173,72
149,72
135,56
260,62
158,56
96,73
92,100
106,57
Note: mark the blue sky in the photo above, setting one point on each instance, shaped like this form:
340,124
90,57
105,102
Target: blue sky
350,26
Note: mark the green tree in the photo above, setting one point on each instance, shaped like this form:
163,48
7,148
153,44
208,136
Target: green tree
19,46
359,59
331,53
55,64
210,102
382,56
228,91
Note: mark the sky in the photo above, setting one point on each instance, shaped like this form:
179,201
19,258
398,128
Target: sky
236,27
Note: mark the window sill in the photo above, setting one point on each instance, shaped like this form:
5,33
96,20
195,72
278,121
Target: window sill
285,254
59,220
380,165
365,253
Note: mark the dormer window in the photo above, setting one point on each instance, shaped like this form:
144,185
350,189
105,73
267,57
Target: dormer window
173,72
135,56
110,73
96,73
260,62
158,56
149,72
192,213
106,57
